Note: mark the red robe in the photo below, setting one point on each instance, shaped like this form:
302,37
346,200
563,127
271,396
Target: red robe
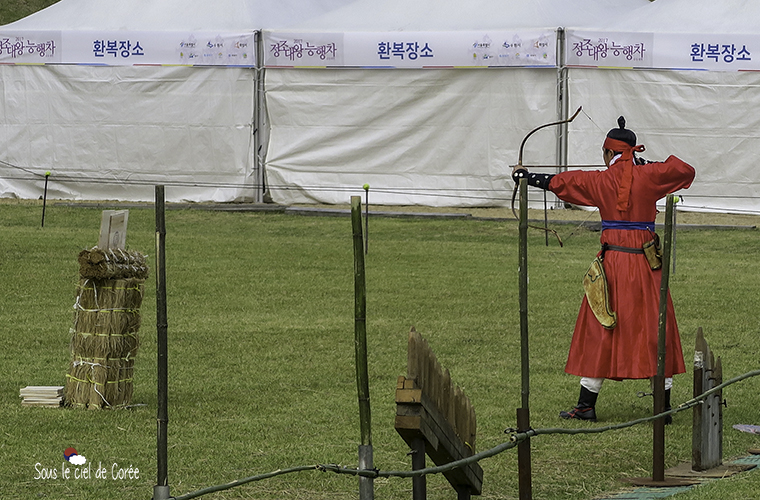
629,351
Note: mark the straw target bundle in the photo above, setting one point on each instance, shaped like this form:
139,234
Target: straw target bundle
104,339
112,264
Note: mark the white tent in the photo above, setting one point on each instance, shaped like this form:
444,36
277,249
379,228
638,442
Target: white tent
135,93
188,15
432,137
448,136
695,97
440,131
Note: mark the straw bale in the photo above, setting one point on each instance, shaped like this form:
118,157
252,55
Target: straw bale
95,383
77,388
102,339
104,342
93,294
112,264
107,318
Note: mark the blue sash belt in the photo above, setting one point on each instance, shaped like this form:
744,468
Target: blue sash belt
627,224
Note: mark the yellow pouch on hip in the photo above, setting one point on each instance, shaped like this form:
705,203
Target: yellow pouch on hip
653,252
595,285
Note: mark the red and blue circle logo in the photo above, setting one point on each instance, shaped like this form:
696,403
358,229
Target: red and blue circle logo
71,455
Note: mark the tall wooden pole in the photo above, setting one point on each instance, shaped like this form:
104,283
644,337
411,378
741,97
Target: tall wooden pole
523,414
658,441
366,219
546,220
366,484
658,479
161,490
44,198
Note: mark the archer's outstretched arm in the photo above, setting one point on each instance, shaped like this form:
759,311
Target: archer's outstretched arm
537,180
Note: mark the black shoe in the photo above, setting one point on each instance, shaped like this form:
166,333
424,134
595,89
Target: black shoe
584,410
580,413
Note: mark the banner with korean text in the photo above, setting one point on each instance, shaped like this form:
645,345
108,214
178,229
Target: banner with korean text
127,48
710,52
457,49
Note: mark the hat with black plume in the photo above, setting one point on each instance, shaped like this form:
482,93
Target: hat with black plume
622,134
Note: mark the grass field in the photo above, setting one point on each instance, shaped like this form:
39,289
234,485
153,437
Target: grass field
261,361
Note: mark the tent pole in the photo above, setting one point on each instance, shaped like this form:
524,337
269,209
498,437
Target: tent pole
563,106
258,172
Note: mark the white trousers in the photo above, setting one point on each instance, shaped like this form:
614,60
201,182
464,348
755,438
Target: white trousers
595,384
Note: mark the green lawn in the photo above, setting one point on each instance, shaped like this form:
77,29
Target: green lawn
261,355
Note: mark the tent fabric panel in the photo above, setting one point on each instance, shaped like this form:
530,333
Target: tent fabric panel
131,125
690,16
704,118
455,15
432,137
190,15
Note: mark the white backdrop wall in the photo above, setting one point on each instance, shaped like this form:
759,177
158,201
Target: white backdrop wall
137,124
438,137
708,119
130,126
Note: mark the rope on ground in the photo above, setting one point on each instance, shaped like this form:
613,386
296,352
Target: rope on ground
514,440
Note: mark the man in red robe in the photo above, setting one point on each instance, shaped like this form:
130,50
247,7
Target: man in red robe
625,194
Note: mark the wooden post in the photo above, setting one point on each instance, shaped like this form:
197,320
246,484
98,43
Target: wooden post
523,413
546,221
366,219
44,198
675,226
658,441
419,483
161,490
658,430
366,491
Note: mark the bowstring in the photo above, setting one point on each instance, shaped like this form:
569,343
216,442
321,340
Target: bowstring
591,212
545,229
583,222
592,120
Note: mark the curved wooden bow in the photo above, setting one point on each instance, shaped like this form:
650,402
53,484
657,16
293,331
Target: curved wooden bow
520,165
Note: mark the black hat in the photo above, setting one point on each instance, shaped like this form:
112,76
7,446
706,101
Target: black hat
622,133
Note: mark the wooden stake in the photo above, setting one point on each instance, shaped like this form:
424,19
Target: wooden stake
523,413
44,198
360,341
161,490
658,445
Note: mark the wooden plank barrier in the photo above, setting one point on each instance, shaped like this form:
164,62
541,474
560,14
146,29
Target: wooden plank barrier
436,418
707,429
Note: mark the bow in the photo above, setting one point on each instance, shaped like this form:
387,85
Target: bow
520,165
